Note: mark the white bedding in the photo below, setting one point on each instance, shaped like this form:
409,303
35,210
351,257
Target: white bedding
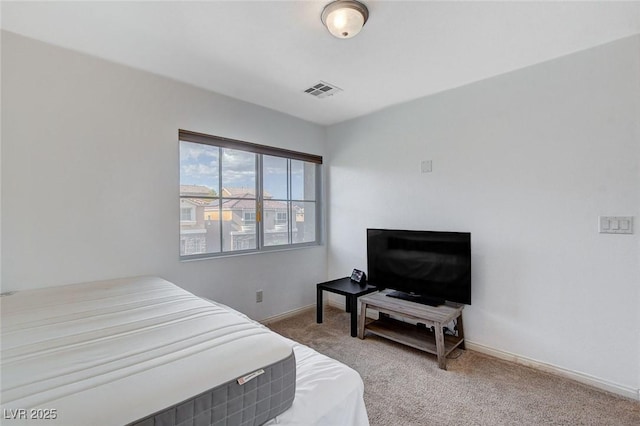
78,350
328,393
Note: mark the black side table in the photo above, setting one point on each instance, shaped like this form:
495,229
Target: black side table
351,290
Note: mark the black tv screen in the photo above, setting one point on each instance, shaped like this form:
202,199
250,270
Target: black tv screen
425,266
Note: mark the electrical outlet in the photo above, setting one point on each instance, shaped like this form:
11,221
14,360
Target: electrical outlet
258,296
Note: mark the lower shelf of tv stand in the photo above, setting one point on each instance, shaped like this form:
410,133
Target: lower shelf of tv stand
408,334
434,342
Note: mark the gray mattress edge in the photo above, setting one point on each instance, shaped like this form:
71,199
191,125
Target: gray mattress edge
232,404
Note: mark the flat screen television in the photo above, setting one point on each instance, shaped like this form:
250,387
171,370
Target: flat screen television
428,267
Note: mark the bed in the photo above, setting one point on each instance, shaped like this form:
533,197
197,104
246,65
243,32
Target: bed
142,351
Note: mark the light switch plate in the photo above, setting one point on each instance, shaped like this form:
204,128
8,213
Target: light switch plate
615,224
426,166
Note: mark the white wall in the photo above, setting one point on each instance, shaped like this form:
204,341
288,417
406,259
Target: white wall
526,162
90,178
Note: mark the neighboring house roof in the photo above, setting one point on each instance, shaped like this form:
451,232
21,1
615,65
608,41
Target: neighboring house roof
227,192
271,204
242,193
246,204
196,201
195,190
243,198
239,192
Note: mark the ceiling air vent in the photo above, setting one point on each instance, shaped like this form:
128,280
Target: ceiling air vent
323,89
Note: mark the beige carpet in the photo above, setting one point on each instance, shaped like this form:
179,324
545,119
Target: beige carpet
404,386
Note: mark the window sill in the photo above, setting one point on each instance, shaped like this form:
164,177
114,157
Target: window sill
274,249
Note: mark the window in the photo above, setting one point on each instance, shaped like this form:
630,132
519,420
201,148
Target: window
186,214
249,218
241,197
281,218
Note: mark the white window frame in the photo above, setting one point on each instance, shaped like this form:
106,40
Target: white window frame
260,150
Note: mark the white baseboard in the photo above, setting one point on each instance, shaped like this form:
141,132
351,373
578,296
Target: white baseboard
596,382
287,314
587,379
341,304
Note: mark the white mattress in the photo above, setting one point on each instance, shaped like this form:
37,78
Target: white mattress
97,351
76,350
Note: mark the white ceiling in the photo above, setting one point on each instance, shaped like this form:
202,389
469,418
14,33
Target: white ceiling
268,52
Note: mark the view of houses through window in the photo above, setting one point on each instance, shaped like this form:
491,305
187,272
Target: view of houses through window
236,200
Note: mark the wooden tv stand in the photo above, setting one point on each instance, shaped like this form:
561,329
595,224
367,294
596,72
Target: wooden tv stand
434,342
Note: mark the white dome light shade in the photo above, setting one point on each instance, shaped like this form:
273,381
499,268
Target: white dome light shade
345,18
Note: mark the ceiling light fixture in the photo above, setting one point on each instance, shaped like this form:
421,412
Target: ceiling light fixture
345,18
